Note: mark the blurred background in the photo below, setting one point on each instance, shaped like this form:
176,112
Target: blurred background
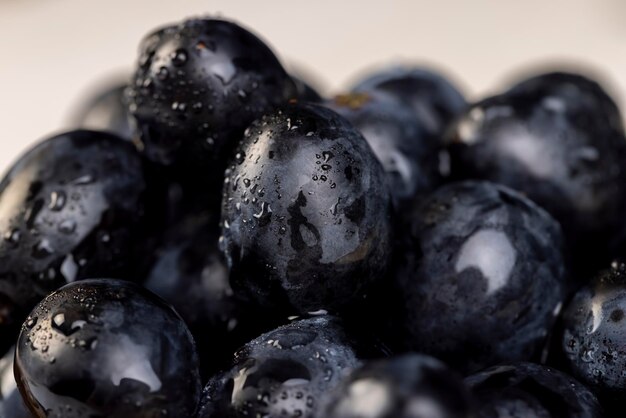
55,51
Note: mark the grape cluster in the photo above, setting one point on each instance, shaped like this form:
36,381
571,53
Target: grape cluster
216,239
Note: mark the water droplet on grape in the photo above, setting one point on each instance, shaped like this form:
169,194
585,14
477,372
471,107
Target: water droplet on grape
179,57
57,200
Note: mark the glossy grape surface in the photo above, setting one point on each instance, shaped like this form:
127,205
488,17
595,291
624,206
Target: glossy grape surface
555,145
527,390
283,373
74,206
480,276
434,100
593,336
198,85
305,215
411,386
106,348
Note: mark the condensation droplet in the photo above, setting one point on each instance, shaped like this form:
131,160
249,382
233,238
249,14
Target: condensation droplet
179,57
67,226
13,236
84,179
57,200
42,249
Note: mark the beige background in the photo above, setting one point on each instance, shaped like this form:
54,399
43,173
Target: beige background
51,51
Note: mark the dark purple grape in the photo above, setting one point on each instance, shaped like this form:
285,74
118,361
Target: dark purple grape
74,206
283,373
197,86
106,348
305,216
435,101
411,386
527,390
480,276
